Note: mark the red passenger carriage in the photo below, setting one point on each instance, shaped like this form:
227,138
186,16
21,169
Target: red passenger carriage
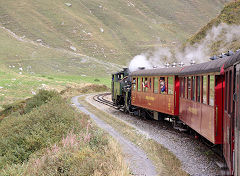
231,121
156,90
205,97
201,98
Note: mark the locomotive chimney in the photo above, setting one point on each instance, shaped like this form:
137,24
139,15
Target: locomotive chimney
167,65
141,68
181,64
229,53
214,57
192,62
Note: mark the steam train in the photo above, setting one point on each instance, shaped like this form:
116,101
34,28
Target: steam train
204,97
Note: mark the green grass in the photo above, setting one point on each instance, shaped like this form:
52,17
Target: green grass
16,87
51,138
128,29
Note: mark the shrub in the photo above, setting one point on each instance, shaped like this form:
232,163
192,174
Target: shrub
53,139
22,136
26,106
42,97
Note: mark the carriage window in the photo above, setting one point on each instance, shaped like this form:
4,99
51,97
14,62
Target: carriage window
189,87
145,85
139,84
155,85
193,89
185,85
134,84
204,89
230,92
162,84
182,81
198,89
150,84
211,90
170,85
226,91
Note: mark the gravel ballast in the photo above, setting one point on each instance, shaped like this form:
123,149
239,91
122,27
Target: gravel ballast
191,152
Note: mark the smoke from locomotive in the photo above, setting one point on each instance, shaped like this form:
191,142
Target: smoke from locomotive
199,52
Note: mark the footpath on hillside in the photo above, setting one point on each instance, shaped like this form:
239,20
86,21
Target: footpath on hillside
136,158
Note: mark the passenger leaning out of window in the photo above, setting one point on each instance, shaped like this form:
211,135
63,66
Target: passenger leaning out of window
162,86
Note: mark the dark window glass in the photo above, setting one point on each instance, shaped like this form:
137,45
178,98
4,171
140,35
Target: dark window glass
155,85
189,87
139,84
150,84
211,90
134,84
170,85
193,89
185,83
198,89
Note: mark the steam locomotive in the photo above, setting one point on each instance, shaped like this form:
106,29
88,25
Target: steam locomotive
204,97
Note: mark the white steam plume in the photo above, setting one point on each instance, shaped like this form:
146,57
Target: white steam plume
147,60
200,52
139,61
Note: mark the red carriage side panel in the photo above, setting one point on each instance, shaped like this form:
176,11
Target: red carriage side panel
207,123
203,118
177,95
190,114
155,102
237,123
164,103
219,108
228,120
227,143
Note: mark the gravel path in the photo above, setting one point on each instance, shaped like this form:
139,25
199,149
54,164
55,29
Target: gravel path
136,158
191,152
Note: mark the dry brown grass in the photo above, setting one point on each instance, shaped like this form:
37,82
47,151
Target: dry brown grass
72,91
165,162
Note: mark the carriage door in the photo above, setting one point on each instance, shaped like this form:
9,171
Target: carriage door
237,123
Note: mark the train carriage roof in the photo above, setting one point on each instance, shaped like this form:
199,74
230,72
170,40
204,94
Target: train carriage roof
232,60
214,66
157,72
206,67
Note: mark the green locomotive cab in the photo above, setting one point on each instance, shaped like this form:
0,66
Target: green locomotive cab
119,82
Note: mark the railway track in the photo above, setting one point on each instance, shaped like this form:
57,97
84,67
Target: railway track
100,98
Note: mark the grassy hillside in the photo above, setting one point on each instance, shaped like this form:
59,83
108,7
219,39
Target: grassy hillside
229,15
48,137
109,30
45,43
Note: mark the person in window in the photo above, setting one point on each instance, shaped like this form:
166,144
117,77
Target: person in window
146,84
162,86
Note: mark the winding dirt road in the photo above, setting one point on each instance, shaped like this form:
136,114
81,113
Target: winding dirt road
137,160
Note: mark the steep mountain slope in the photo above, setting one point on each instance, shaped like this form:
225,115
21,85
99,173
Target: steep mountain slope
227,24
105,29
